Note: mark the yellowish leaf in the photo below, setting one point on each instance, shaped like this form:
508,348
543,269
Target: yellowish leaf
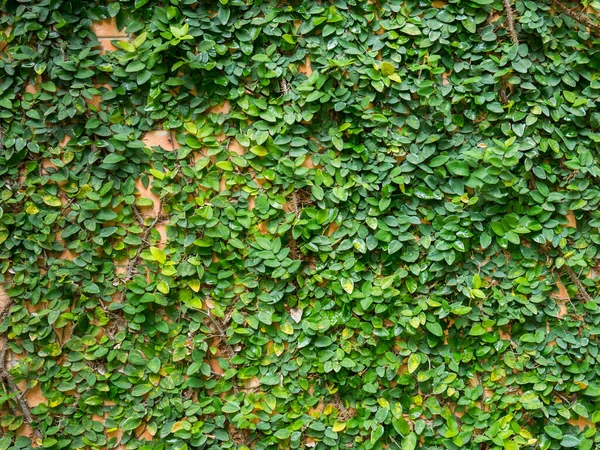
339,426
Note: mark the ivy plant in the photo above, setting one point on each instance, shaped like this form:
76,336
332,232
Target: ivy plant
371,224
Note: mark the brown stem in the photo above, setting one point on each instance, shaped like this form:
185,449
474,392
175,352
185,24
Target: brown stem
133,263
3,353
510,21
219,328
138,215
221,331
7,378
4,311
577,282
283,87
577,16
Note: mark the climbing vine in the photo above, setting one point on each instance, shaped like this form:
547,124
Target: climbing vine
304,224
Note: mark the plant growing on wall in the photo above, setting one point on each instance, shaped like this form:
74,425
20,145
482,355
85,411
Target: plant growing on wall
260,224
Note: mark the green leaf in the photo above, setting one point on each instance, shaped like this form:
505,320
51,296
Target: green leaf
158,254
553,431
154,365
570,441
459,168
347,284
113,158
141,389
131,423
135,66
414,360
231,407
223,15
376,433
270,379
477,330
51,200
409,442
163,286
287,328
387,68
49,442
411,29
259,150
283,433
114,8
485,240
435,328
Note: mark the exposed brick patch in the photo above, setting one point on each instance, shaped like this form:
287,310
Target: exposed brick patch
305,68
224,108
106,45
160,138
107,28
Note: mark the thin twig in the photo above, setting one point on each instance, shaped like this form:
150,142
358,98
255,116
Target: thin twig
251,91
68,331
577,282
134,261
577,16
510,20
3,353
7,378
171,138
229,348
283,87
144,239
138,215
394,441
4,311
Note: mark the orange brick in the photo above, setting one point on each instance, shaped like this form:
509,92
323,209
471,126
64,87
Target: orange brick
236,147
160,138
31,89
3,43
96,100
121,266
4,299
308,162
147,193
107,28
332,228
46,163
65,141
34,396
34,88
224,108
162,230
445,78
572,220
262,227
305,68
106,45
581,422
